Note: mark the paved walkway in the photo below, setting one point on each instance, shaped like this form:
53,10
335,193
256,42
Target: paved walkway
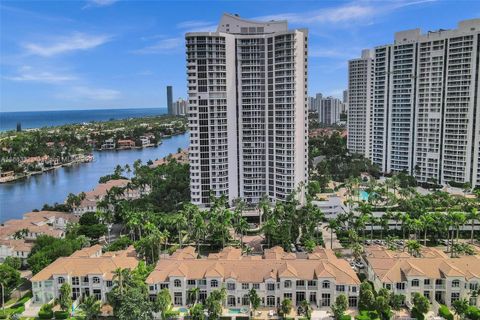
327,235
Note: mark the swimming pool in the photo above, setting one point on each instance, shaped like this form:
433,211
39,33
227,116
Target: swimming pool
234,310
363,195
183,310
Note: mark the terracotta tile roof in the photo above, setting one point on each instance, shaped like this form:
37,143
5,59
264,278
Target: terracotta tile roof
18,245
181,157
434,265
75,265
101,190
254,269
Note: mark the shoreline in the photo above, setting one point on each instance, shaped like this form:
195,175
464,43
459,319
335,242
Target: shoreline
86,159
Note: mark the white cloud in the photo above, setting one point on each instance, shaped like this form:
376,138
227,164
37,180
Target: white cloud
29,74
162,46
74,42
346,14
89,93
99,3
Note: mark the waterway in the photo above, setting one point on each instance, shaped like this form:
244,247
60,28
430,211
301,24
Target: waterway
19,197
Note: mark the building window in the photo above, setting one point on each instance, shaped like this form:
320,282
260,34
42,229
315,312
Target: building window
287,284
245,300
352,302
163,285
202,282
109,283
177,299
270,286
85,280
270,301
61,280
231,286
415,283
354,289
256,286
312,283
473,286
326,285
400,286
177,283
97,294
426,294
340,288
75,293
214,283
325,299
191,282
95,280
300,283
426,282
75,281
231,301
388,286
454,297
455,284
245,286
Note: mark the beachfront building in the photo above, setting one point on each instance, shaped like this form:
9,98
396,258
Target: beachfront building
441,279
102,190
248,117
17,235
318,277
87,271
426,107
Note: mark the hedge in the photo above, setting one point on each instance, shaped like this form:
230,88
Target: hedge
473,313
345,317
445,313
367,315
45,314
61,314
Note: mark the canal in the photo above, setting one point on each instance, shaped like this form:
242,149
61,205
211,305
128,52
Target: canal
19,197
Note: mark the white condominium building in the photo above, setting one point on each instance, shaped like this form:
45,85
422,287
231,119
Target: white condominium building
360,103
426,108
318,277
247,87
330,110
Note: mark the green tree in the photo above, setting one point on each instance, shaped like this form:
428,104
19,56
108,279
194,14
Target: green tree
286,307
91,307
10,279
306,309
366,296
461,307
135,306
396,301
340,306
421,305
13,262
254,300
197,312
65,297
213,305
163,303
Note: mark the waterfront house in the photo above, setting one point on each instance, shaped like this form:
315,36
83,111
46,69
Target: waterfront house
108,144
87,271
441,279
125,144
318,277
17,235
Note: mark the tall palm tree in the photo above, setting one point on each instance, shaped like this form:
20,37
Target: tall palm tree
413,247
332,225
473,216
193,294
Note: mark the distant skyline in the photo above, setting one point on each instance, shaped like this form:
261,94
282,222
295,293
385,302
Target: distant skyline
101,54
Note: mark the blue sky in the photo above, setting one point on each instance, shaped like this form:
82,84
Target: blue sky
121,54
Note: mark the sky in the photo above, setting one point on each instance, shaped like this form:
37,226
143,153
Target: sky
97,54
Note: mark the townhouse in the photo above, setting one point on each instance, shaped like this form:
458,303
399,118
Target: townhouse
441,279
88,271
17,235
93,197
318,277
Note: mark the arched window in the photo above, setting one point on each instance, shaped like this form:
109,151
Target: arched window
455,283
177,283
96,280
61,280
326,284
214,283
231,301
245,300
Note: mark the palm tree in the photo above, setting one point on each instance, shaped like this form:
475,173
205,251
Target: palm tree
413,247
91,307
332,225
427,221
473,216
193,295
121,278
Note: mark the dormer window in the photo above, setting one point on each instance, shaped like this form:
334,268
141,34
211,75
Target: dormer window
455,284
415,283
177,283
214,283
326,284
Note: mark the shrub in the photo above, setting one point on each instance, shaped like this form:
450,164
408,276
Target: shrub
61,314
3,315
445,313
367,315
417,315
45,315
345,317
473,313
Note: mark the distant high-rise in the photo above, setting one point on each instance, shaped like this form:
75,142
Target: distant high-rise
247,87
329,112
170,100
360,100
19,127
345,100
180,107
426,104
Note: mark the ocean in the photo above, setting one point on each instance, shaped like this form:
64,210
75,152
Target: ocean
38,119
